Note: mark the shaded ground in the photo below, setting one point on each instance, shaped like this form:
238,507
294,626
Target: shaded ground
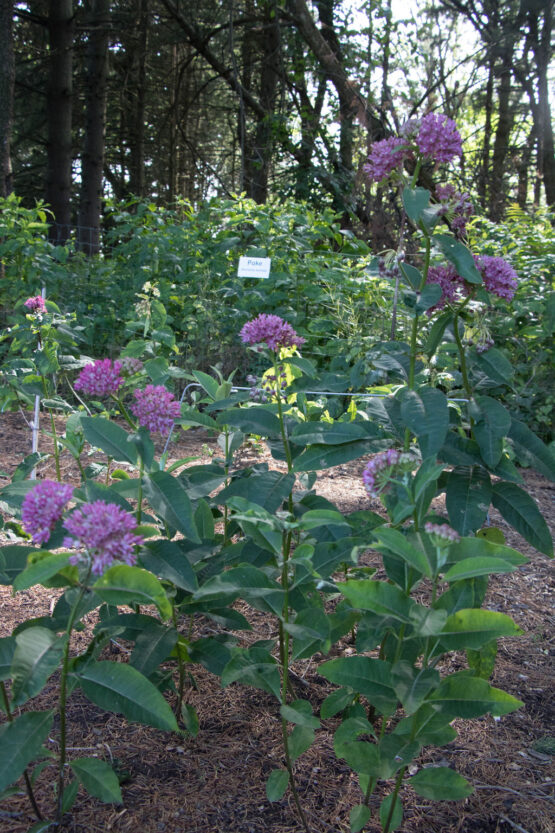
216,782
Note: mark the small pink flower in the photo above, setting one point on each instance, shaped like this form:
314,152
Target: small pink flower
35,304
438,138
442,533
272,331
385,156
104,531
43,507
156,408
100,379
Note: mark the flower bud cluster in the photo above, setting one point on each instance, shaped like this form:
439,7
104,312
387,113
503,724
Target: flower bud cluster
43,507
35,304
442,534
381,467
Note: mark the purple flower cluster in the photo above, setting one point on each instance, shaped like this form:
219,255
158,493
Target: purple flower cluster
453,287
460,205
375,474
130,365
385,156
443,533
156,408
43,507
499,276
35,304
272,331
438,138
104,531
101,378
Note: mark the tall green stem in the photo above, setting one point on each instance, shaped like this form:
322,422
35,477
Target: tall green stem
140,491
414,330
462,357
28,785
63,695
56,449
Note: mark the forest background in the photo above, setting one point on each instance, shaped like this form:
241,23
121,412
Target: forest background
168,99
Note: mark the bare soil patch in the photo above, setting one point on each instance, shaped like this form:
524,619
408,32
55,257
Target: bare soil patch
215,783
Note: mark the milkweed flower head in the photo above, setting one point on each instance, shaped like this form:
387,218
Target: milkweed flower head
156,408
442,534
453,287
272,331
43,507
130,365
105,532
438,138
101,378
499,276
458,205
35,304
385,156
383,466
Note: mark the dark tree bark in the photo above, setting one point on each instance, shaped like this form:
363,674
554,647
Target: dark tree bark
7,75
138,100
59,107
92,159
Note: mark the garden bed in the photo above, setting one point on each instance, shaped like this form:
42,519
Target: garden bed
215,783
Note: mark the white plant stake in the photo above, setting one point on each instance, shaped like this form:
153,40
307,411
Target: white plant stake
36,415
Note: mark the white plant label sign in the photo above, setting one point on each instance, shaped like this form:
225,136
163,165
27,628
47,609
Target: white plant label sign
254,267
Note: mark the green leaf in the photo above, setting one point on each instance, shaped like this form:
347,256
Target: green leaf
69,795
473,628
480,547
461,257
335,702
254,420
491,425
522,513
531,450
190,719
425,412
209,384
325,433
106,435
168,498
21,742
300,712
7,648
478,566
365,675
379,597
123,584
324,457
98,778
250,583
13,560
358,817
460,695
482,661
300,739
393,541
265,488
42,566
167,560
467,498
385,812
256,667
117,687
277,784
37,655
412,684
152,647
495,365
441,784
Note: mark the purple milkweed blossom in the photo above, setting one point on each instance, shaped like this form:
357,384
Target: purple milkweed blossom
438,138
43,507
272,331
130,365
35,304
459,204
379,468
384,157
101,378
499,276
443,533
104,531
453,287
156,408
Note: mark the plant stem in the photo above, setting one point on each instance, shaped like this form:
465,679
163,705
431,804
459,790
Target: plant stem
28,785
414,331
56,449
181,668
396,789
140,491
63,696
462,357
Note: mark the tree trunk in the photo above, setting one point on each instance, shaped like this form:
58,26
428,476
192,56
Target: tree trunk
138,91
7,74
92,159
486,145
505,118
59,104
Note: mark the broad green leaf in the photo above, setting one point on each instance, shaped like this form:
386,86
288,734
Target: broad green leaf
335,702
467,498
415,201
69,796
522,513
441,784
167,560
152,647
482,661
7,648
106,435
461,257
21,742
254,420
190,719
168,498
492,422
209,384
123,584
425,412
461,695
249,583
277,784
98,778
479,547
379,597
412,684
531,450
256,667
117,687
495,365
42,565
473,628
365,675
324,457
300,712
311,634
412,275
300,739
265,488
393,816
324,433
393,541
13,560
37,655
211,652
429,296
479,566
358,817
